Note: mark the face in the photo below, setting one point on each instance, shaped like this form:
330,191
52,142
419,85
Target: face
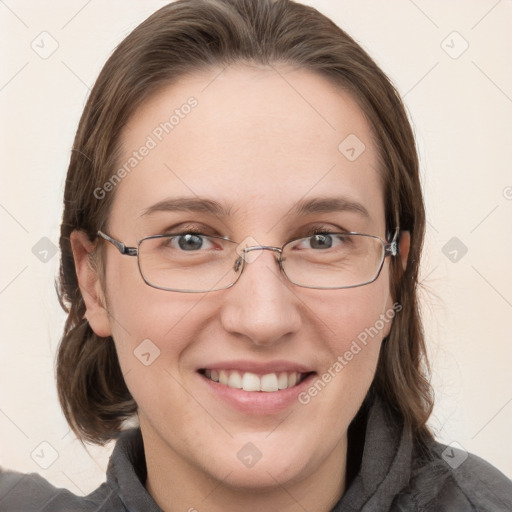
257,142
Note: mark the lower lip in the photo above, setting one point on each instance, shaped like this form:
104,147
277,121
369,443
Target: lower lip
257,402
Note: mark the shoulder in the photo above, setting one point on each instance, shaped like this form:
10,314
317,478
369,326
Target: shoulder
31,492
446,478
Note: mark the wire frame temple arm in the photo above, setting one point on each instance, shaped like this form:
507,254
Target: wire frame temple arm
122,248
392,247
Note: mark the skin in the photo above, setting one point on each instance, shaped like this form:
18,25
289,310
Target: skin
255,144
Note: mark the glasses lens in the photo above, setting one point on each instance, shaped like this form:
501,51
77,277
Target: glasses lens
333,260
188,262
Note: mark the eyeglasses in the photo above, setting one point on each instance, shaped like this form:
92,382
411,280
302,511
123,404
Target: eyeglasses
197,263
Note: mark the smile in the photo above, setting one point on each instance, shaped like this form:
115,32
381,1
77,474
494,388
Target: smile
248,381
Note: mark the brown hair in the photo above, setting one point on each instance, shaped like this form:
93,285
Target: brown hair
191,35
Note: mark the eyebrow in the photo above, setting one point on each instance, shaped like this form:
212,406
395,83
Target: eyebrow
301,208
328,205
188,204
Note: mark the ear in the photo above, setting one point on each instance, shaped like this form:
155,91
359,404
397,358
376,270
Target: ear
404,244
90,284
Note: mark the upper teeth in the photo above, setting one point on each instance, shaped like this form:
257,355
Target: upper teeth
251,382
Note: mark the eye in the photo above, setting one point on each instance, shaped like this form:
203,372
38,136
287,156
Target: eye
189,241
322,239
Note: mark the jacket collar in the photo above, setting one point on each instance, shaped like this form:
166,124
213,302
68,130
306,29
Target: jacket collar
385,462
127,472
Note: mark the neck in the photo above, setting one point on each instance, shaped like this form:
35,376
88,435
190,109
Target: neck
177,485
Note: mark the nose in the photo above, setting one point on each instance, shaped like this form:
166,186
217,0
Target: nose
261,306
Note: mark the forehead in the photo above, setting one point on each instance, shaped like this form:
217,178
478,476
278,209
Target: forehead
255,139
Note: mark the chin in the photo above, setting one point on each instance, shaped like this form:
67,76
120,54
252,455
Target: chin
247,467
264,476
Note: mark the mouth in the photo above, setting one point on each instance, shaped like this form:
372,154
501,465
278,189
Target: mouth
255,388
252,382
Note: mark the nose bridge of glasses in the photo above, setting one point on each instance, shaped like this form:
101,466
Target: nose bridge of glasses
249,258
262,247
243,254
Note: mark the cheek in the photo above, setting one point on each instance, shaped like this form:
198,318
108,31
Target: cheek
146,320
152,331
364,313
354,324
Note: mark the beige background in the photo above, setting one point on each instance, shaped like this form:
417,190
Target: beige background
462,110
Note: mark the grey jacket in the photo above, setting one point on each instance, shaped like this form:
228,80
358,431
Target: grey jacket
386,471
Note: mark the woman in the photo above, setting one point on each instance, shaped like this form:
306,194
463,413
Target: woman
240,246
